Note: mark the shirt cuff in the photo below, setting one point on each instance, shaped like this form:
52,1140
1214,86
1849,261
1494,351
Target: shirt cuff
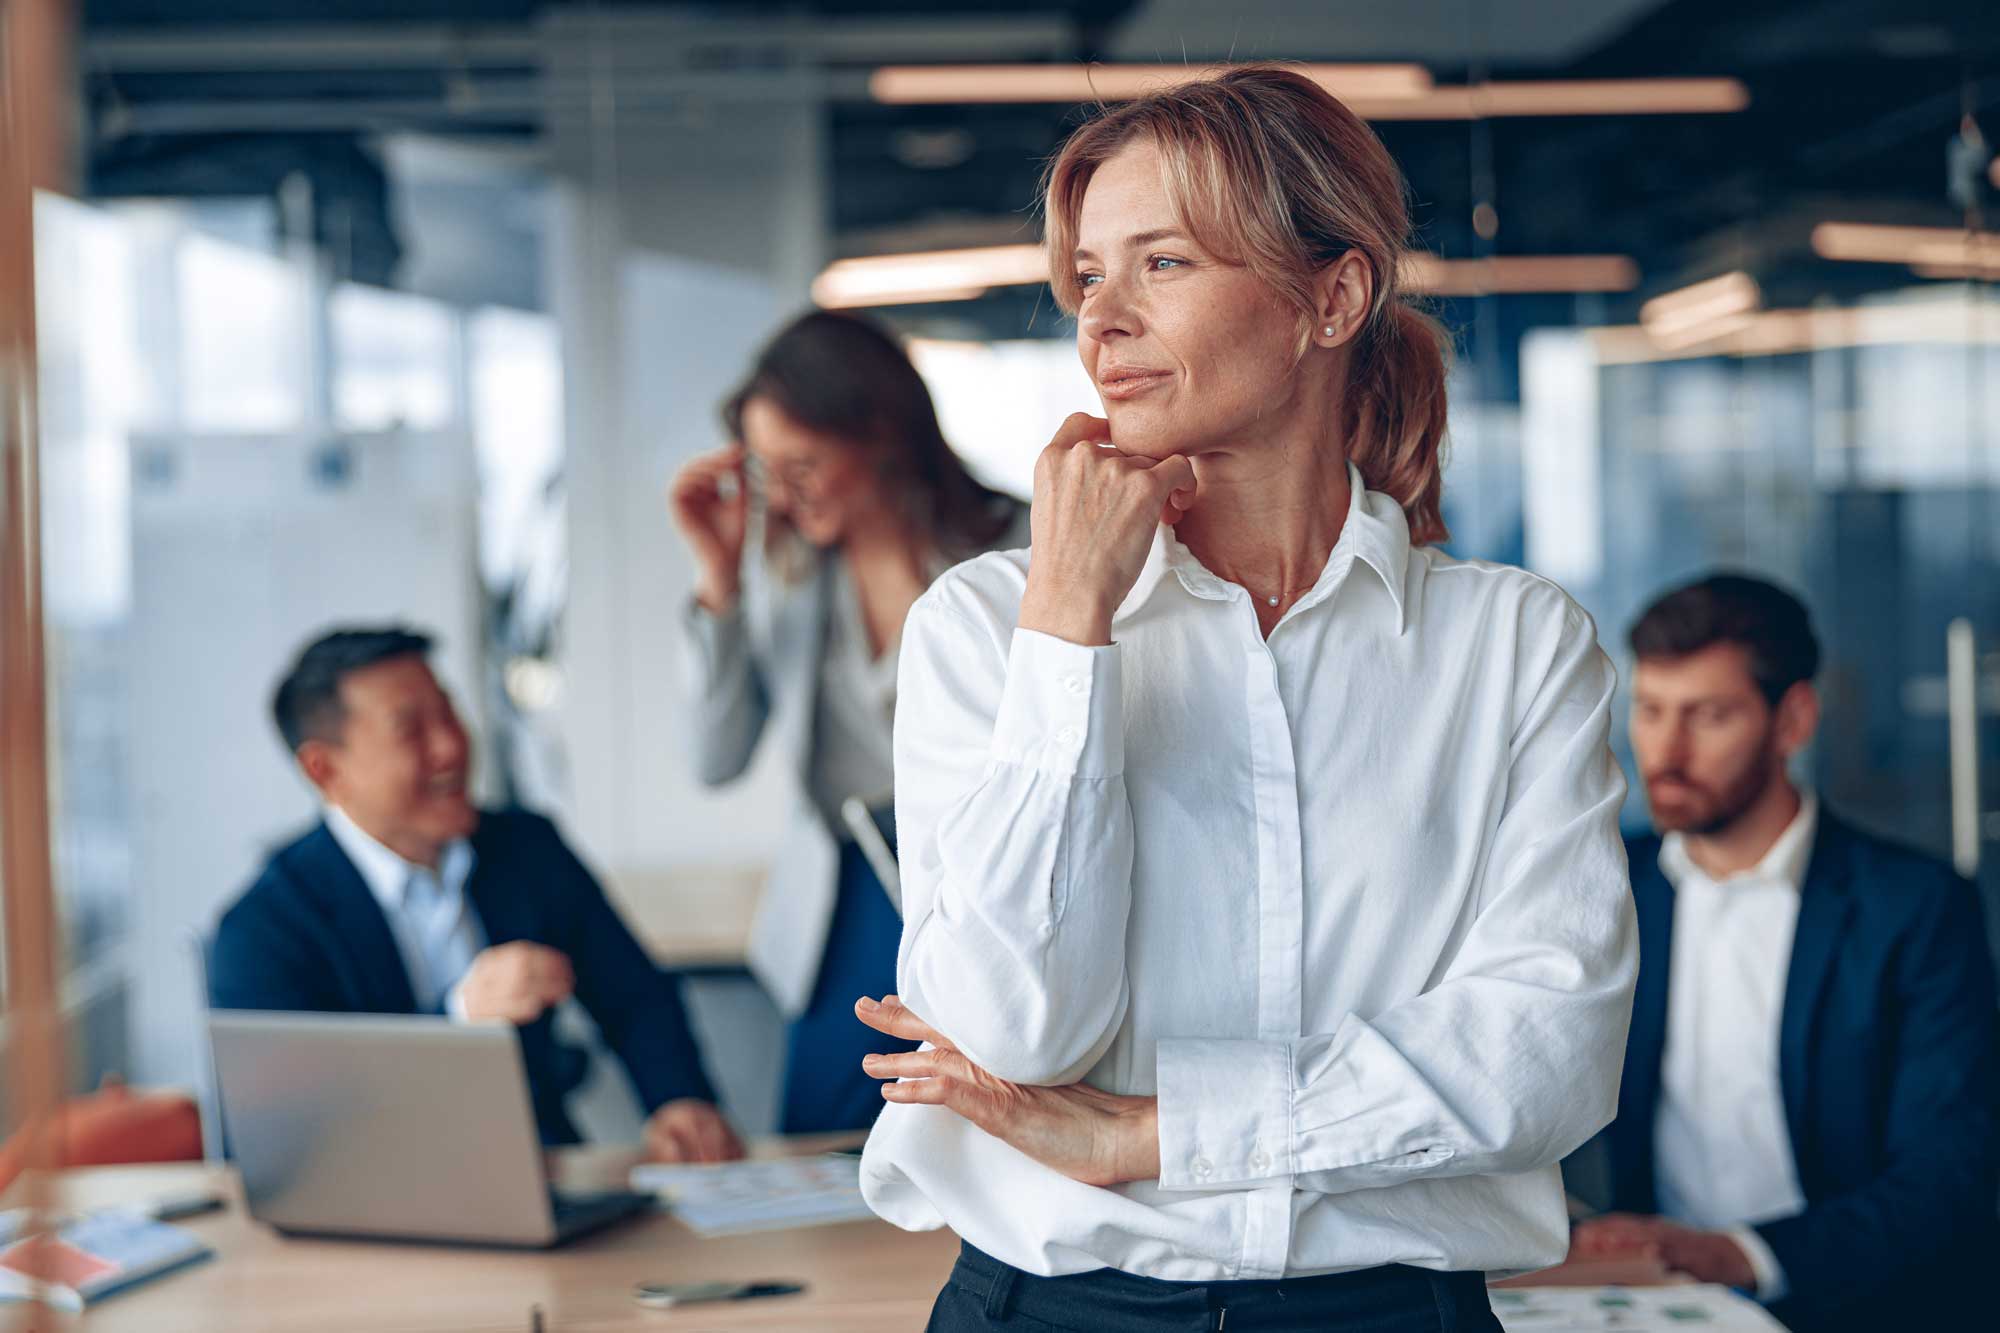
1062,710
1225,1113
1771,1284
454,1004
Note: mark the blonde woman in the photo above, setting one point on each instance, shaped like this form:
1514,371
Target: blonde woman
1265,912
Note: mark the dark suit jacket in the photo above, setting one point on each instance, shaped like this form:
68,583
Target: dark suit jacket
1887,1062
310,936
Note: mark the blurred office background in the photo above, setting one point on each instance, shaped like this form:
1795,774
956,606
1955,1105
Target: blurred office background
377,310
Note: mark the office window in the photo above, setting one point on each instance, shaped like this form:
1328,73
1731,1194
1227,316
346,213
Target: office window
393,360
245,355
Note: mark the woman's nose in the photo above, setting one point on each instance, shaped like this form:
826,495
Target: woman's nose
777,495
1107,314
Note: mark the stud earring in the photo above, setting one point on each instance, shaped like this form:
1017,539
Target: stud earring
1328,330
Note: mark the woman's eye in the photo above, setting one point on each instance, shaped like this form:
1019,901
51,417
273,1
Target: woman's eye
1089,279
1157,261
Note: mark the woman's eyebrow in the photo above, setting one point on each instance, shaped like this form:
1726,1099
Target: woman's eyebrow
1135,241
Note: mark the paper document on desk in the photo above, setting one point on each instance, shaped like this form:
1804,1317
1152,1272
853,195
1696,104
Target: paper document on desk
1678,1309
738,1197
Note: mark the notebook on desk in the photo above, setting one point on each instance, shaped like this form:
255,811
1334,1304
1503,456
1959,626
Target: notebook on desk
94,1257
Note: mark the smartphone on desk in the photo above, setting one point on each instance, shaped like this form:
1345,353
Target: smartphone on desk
667,1295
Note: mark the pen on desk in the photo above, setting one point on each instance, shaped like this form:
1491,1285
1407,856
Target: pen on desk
175,1207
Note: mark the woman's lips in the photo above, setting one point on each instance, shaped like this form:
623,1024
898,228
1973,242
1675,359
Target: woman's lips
1131,383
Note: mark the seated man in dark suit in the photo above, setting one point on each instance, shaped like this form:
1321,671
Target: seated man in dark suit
1808,1105
409,900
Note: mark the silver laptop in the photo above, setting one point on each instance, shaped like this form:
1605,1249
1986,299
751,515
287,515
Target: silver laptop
397,1127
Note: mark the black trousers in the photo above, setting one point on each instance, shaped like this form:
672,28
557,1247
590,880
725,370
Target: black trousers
984,1293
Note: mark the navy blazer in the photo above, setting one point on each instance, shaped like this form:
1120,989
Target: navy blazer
310,936
1887,1064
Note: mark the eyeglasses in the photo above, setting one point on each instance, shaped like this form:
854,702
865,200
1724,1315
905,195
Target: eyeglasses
792,477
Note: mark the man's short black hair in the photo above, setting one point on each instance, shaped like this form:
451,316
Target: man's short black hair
1769,623
306,705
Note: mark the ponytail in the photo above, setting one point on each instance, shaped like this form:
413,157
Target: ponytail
1397,415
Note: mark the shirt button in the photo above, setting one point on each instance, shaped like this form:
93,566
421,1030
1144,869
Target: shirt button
1201,1168
1259,1163
1067,736
1074,684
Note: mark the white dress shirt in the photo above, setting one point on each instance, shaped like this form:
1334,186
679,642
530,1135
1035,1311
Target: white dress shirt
436,931
1722,1152
1351,900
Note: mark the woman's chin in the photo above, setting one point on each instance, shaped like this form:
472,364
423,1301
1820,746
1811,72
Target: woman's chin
1145,431
1139,442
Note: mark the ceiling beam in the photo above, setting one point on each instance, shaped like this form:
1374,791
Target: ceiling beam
632,40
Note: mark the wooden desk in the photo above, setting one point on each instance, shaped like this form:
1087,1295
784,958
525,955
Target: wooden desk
694,919
860,1277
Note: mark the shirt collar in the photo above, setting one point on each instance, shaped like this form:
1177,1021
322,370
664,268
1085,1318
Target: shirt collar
388,875
1784,863
1376,533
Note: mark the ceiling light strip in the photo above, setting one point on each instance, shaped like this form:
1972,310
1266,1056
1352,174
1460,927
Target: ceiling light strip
921,85
1378,92
1782,332
1519,274
941,275
1936,247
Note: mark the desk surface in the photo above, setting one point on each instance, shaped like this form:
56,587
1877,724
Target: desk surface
861,1277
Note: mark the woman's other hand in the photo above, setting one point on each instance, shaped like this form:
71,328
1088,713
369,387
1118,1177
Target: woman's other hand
1094,514
711,507
1096,1137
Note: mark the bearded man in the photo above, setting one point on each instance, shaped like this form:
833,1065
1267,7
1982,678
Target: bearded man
1808,1105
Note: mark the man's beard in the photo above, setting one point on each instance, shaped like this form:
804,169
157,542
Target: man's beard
1728,805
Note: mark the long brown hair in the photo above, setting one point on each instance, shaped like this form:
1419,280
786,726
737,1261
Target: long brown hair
844,376
1268,170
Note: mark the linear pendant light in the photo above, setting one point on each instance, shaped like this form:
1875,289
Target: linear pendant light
1701,310
956,275
1377,92
1936,248
940,84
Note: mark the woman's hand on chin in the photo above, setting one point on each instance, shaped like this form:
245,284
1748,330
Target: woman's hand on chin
1093,518
1096,1137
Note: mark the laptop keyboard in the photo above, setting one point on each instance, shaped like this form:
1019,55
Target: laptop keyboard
567,1209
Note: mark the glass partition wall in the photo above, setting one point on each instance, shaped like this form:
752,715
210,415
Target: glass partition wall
242,440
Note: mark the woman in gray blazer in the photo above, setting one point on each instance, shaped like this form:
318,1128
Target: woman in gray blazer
833,509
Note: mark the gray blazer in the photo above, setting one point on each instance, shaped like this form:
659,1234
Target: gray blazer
752,674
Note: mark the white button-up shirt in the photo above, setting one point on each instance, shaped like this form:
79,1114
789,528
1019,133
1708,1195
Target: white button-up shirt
436,931
1351,900
1721,1150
